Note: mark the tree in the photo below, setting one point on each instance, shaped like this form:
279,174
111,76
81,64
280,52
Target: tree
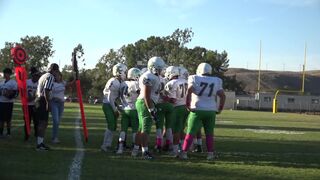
5,57
103,71
231,83
39,51
67,75
171,48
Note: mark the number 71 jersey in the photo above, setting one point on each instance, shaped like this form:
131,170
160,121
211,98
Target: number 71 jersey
205,88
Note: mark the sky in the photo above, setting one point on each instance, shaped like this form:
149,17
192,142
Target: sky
284,27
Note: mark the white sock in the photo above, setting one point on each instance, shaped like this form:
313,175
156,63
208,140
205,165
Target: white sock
159,133
106,137
175,148
134,137
199,140
122,136
195,141
120,146
110,137
136,147
169,135
144,149
39,140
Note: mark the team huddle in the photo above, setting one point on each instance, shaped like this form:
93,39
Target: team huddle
179,105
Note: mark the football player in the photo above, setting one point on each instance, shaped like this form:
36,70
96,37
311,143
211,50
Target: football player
32,85
149,84
8,91
202,93
176,89
183,74
129,94
111,93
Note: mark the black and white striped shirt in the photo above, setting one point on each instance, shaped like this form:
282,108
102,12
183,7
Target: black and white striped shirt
45,82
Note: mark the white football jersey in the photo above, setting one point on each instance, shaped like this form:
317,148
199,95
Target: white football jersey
149,79
45,83
9,85
129,92
177,88
31,89
205,90
111,92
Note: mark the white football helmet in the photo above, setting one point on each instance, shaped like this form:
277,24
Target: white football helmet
183,72
204,68
119,70
143,70
171,72
156,65
134,73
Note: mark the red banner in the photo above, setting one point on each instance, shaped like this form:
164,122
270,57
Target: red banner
19,56
83,118
21,76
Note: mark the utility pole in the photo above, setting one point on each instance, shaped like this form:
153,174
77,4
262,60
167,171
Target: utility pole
259,76
259,73
304,68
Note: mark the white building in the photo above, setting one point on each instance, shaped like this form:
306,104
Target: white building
285,102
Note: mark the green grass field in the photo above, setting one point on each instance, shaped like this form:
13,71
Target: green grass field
251,145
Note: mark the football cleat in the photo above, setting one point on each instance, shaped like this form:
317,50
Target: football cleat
42,147
212,156
147,156
183,155
120,151
134,152
104,148
173,154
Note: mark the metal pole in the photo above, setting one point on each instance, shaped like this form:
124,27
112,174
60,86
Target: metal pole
259,73
304,67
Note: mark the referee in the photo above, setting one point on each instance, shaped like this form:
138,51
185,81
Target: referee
42,105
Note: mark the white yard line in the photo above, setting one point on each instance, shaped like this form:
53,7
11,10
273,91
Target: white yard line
271,131
75,167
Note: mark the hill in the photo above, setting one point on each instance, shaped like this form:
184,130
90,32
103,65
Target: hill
273,80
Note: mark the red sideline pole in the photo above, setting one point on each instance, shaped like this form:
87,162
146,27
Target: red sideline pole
83,118
21,77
